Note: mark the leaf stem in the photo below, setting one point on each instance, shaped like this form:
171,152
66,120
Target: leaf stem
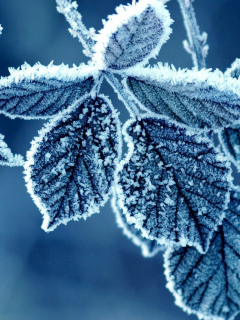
69,10
123,95
197,43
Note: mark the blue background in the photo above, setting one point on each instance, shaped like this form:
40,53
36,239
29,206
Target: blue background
86,270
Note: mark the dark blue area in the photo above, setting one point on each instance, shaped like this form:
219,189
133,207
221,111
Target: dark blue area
86,270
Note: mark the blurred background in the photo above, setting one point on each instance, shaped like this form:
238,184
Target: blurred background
86,270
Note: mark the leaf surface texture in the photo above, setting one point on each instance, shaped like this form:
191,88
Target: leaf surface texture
209,285
40,92
173,185
70,167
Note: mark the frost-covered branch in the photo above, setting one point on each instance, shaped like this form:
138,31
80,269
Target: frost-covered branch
78,29
196,46
1,29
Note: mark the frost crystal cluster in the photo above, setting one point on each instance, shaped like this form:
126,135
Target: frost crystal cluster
173,190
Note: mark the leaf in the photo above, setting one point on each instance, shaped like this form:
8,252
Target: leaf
133,35
6,156
173,185
201,99
149,247
209,285
70,166
230,141
40,92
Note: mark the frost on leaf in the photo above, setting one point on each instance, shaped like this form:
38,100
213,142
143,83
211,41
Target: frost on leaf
173,184
6,156
40,92
133,35
149,247
230,141
70,166
209,285
200,99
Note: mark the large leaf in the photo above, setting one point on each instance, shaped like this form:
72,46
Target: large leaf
201,99
230,141
149,247
209,285
6,156
173,184
39,92
71,165
133,35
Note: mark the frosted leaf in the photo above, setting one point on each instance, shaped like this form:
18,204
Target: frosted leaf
209,285
6,156
173,184
230,141
201,99
70,166
133,35
149,247
40,92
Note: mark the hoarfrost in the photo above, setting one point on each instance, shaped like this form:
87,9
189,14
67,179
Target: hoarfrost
40,92
167,209
209,285
201,99
74,181
132,36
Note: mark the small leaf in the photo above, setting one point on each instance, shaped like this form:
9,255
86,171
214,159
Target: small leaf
230,141
173,184
149,247
133,35
40,92
6,156
71,165
209,285
201,99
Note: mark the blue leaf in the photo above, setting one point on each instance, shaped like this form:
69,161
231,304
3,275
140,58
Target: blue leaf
71,165
6,156
201,99
132,36
149,247
173,184
40,92
209,285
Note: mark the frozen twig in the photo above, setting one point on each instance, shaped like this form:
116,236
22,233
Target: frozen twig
78,29
196,44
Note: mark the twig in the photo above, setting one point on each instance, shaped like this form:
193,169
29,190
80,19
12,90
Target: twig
196,46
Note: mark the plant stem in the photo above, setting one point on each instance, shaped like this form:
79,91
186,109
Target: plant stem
69,9
196,41
122,93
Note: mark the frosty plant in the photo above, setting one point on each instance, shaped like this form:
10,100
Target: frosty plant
173,190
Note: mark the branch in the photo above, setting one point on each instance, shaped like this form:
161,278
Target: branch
78,29
196,46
